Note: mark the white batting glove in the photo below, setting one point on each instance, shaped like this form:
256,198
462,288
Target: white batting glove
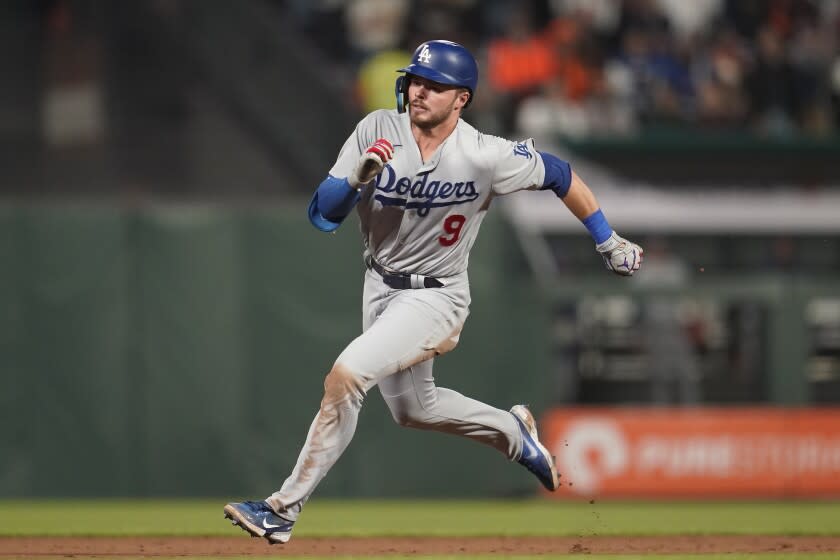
371,163
621,256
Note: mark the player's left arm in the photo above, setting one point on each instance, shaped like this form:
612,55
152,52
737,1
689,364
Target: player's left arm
620,255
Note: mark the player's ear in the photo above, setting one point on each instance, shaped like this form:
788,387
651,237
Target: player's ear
463,97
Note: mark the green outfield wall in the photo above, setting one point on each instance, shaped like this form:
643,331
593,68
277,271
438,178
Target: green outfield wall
180,351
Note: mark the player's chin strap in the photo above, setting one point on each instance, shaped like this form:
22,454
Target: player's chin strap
400,89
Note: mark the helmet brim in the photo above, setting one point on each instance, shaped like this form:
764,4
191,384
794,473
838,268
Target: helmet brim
433,75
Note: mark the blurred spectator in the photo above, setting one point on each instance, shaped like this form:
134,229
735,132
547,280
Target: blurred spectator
601,16
719,72
812,54
518,64
375,25
577,101
663,88
642,17
746,16
577,62
615,67
771,86
73,96
377,76
689,19
785,17
454,20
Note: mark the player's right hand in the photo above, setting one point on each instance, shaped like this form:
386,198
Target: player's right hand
371,163
621,256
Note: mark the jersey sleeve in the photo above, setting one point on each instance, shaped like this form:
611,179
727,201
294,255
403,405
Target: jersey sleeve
363,136
517,166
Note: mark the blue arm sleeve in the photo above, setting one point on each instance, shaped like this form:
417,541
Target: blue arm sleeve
558,174
331,203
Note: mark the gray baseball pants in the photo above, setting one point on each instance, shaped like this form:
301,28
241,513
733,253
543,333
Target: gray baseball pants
403,331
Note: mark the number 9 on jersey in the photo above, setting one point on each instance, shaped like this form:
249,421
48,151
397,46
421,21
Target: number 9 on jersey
452,226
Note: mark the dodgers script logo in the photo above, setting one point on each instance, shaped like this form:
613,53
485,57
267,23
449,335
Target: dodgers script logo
422,195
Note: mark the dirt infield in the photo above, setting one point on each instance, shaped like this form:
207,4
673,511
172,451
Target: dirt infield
25,547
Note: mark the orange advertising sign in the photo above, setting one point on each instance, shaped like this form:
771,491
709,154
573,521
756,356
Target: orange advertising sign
703,452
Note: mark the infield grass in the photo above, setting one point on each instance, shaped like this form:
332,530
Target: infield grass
783,556
426,517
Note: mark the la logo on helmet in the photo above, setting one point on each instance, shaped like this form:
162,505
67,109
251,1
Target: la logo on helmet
425,55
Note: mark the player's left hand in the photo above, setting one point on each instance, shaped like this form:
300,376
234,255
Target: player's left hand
621,256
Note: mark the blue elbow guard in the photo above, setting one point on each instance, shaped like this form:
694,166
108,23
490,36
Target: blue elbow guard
558,174
331,203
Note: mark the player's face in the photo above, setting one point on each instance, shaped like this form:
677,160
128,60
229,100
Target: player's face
431,104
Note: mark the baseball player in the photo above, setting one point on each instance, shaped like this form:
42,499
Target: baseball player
422,180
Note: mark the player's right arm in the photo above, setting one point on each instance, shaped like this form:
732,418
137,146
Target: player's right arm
517,167
336,196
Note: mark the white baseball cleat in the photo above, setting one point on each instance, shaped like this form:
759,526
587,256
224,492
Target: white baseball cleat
534,456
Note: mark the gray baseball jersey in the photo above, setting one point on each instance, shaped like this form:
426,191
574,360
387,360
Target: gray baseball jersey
423,217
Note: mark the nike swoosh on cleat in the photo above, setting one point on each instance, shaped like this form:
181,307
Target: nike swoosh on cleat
269,525
529,451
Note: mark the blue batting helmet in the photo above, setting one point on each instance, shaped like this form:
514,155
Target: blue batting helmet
443,62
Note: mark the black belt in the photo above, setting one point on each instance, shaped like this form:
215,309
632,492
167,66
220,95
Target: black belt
401,280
